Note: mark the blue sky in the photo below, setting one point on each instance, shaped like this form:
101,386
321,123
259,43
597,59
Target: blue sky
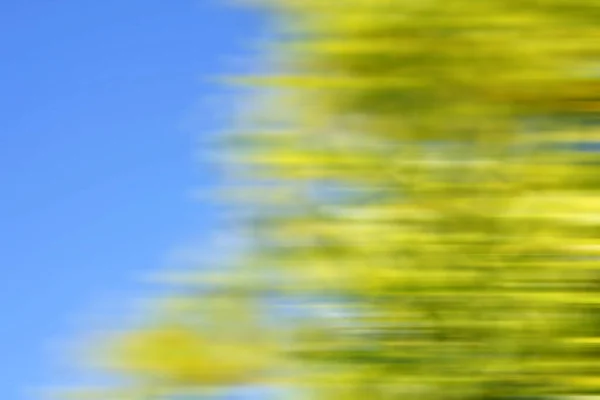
101,103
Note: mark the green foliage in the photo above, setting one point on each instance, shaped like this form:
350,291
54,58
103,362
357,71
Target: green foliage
409,180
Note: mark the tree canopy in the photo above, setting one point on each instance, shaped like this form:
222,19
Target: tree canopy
423,225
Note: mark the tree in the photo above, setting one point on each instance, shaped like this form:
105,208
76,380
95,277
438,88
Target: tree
422,226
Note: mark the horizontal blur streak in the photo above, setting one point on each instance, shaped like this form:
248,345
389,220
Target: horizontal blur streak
423,223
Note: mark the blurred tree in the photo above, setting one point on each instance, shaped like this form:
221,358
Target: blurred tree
422,227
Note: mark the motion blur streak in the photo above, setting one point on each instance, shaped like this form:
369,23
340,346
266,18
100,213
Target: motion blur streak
423,226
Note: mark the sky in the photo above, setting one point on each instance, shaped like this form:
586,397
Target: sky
101,107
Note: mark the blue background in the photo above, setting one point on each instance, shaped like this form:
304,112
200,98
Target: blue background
101,106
